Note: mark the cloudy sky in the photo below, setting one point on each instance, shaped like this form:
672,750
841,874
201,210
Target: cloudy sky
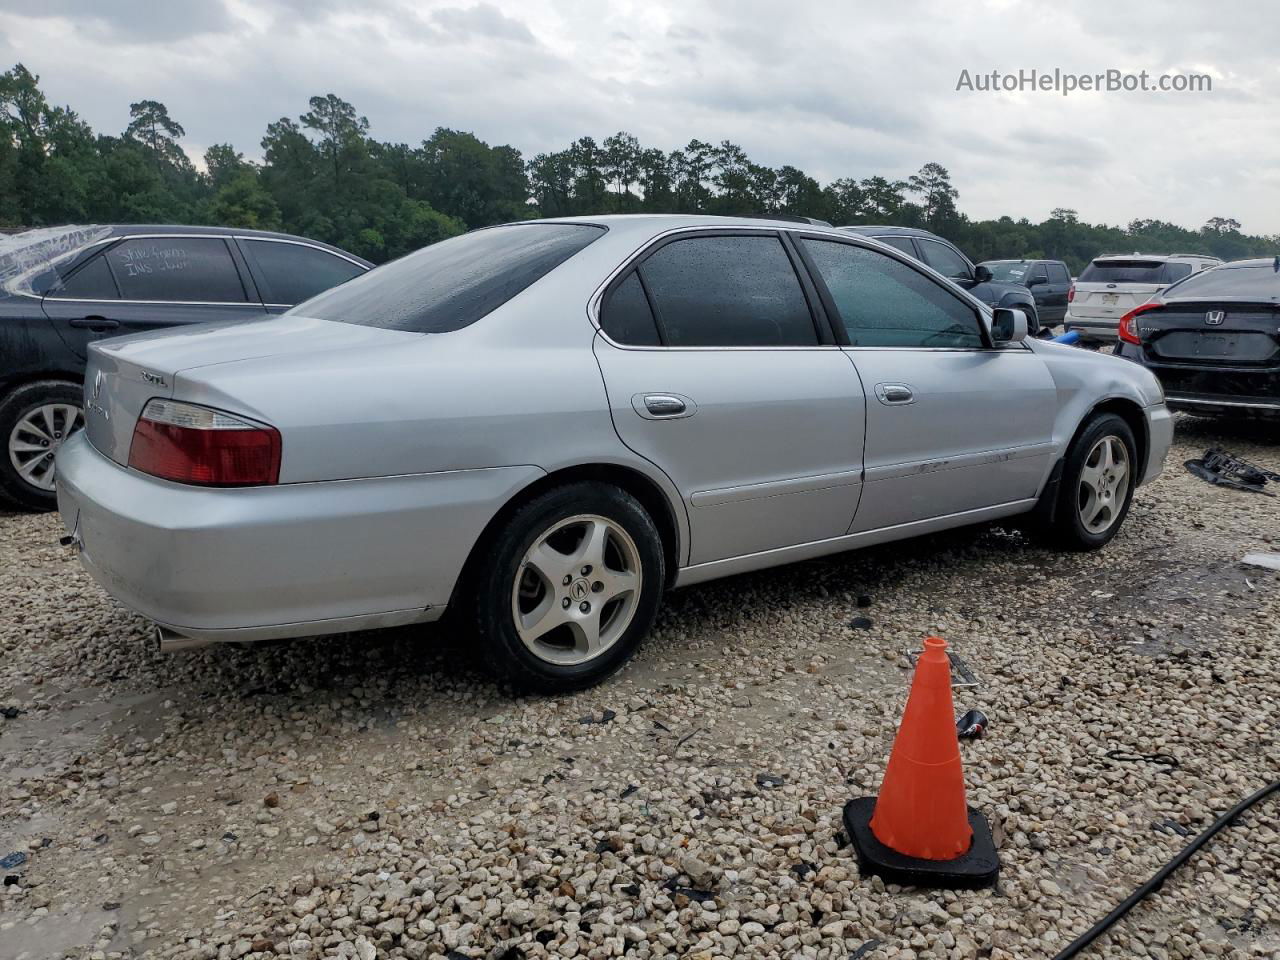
840,88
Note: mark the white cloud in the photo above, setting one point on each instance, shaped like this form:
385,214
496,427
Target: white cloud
836,88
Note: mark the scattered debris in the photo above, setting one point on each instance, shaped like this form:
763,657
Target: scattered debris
972,725
605,717
961,673
1164,759
1222,469
11,713
861,623
1269,560
770,779
864,601
863,950
13,860
631,788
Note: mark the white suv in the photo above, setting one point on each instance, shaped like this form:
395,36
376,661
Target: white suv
1112,285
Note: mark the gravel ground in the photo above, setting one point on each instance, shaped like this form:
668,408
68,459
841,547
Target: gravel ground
376,796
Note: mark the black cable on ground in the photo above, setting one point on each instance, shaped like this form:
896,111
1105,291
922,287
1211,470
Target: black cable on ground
1157,881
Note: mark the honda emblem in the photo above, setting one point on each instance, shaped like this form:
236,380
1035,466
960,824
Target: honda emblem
1214,318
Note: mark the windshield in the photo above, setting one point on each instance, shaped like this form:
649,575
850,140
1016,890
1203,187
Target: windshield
1009,271
29,260
1254,282
1134,271
455,282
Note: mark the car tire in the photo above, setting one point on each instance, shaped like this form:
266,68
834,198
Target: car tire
568,588
35,415
1099,475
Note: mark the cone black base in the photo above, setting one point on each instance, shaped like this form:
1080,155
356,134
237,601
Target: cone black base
978,867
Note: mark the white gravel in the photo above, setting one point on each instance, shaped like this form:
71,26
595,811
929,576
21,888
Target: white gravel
376,796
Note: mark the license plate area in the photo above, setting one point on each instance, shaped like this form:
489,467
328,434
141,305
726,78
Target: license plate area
1110,299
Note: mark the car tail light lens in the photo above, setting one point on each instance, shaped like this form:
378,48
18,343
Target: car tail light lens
1128,329
1071,293
188,443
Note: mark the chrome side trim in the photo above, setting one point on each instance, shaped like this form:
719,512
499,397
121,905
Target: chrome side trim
775,488
918,467
714,569
870,243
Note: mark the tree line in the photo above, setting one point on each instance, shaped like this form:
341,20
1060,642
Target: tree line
322,175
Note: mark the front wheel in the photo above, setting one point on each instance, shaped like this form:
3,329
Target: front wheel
569,588
1098,479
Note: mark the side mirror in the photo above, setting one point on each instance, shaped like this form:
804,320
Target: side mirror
981,274
1008,325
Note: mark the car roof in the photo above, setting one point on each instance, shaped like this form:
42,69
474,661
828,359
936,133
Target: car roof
655,223
871,230
1163,257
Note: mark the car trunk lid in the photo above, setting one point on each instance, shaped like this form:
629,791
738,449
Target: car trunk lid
125,372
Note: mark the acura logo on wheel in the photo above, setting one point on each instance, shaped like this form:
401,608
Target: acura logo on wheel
580,589
1215,317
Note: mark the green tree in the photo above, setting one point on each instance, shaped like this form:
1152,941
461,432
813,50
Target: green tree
937,195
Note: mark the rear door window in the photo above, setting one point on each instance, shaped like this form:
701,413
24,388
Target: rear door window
1058,273
901,243
626,316
945,259
293,272
885,303
1173,272
191,269
453,283
728,291
93,281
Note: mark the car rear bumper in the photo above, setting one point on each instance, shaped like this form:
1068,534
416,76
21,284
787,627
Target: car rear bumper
1203,388
1092,328
282,561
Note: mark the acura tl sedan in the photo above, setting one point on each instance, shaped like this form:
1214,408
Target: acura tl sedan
543,426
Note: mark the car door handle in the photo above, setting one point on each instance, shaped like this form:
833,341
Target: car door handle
97,324
894,394
665,405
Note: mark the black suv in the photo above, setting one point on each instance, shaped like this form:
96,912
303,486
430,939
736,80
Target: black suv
945,257
1048,280
62,287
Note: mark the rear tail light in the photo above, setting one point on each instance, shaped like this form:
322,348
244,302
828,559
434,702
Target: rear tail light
1071,293
188,443
1128,328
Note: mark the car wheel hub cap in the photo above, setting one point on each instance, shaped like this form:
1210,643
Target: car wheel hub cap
1104,484
35,439
576,589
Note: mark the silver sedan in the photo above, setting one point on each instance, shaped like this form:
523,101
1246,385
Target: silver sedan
543,426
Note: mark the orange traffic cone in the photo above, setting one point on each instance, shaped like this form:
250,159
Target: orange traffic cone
919,830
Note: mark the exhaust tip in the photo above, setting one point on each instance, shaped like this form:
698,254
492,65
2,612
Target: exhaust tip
169,642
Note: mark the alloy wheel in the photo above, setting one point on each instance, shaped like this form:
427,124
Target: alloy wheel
1104,484
36,437
577,589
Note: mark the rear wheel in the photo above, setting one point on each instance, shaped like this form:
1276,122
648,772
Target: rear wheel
1098,479
570,587
35,419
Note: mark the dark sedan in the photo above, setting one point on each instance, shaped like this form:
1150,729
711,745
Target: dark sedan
63,287
1213,339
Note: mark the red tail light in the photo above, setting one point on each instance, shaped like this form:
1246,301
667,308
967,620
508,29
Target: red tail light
1128,329
1071,293
187,443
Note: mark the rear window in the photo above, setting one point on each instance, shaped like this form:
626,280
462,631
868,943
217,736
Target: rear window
454,283
1249,283
1134,271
